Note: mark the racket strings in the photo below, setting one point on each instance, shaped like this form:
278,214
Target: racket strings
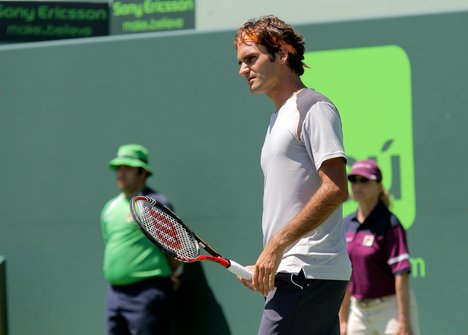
168,231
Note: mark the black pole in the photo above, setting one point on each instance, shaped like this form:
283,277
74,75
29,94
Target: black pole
3,298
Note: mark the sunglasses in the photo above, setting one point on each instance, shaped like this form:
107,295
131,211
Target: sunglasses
358,180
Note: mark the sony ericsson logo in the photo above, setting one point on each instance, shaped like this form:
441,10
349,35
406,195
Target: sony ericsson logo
372,89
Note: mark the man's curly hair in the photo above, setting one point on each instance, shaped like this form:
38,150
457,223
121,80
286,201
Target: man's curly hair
273,33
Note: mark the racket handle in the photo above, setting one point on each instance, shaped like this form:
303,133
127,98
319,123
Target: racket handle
240,270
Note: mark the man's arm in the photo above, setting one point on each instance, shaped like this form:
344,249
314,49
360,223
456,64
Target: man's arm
332,192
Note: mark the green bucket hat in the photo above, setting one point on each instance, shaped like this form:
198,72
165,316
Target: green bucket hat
133,155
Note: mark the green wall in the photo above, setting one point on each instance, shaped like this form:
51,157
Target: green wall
66,106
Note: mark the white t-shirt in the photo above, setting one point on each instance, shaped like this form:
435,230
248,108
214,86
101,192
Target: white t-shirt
303,133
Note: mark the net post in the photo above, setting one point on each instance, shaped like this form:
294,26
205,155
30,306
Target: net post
3,297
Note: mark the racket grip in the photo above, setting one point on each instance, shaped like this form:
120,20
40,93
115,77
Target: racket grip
239,270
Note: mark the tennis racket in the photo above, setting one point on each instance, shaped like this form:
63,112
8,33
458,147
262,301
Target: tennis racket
164,228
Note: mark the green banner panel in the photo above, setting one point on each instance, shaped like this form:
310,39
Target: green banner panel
372,86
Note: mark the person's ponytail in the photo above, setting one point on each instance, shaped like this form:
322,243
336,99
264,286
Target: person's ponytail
384,196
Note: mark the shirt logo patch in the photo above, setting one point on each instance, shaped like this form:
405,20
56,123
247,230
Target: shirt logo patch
368,240
129,218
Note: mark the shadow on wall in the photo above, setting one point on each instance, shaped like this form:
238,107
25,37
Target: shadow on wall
196,308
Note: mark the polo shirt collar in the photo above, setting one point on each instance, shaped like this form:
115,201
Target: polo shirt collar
379,210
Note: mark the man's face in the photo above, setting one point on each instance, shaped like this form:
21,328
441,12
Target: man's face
129,179
257,67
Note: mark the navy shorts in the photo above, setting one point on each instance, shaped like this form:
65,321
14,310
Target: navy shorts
301,306
143,308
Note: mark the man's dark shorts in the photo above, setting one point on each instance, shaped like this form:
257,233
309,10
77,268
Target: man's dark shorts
302,306
144,308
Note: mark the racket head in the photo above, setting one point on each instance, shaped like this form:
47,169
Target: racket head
164,228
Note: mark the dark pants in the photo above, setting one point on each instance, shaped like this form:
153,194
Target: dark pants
143,308
300,306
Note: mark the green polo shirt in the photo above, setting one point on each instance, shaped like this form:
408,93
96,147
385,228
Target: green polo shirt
129,257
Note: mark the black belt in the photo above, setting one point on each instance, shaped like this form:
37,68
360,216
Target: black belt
372,302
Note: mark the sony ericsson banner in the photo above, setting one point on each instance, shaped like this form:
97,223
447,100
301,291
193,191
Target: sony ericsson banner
42,20
138,16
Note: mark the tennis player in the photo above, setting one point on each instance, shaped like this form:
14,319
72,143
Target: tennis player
303,269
